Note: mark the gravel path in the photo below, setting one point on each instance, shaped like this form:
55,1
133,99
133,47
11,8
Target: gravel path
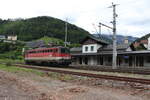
27,86
10,91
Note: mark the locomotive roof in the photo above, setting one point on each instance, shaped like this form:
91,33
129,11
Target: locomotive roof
46,48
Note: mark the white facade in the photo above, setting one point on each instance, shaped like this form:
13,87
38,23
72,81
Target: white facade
13,38
148,47
129,49
90,48
92,60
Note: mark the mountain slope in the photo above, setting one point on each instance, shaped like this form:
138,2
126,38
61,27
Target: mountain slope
49,40
120,38
35,28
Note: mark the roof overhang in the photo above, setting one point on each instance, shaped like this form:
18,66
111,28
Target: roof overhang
110,53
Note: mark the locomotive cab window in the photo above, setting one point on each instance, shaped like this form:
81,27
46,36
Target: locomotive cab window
65,50
55,50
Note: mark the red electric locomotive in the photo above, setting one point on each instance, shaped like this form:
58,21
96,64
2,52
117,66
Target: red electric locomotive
53,55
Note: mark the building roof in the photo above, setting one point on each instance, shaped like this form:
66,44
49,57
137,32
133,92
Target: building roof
138,52
35,44
119,46
76,49
138,44
110,53
142,38
99,39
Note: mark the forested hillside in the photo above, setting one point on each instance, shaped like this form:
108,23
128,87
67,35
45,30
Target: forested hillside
35,28
11,50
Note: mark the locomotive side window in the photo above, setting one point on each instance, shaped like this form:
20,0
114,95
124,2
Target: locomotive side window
44,51
49,50
31,52
39,51
54,50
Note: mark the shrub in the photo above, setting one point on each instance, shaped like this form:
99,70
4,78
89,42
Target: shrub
8,64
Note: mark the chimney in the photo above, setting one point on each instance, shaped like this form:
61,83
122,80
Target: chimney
126,41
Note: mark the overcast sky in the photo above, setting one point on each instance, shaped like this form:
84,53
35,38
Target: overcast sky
133,15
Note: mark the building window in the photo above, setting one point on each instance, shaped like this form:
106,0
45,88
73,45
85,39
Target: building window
86,48
92,48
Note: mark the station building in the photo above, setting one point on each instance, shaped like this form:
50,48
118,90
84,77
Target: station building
97,51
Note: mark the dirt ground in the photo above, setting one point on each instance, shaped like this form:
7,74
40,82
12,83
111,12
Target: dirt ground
28,86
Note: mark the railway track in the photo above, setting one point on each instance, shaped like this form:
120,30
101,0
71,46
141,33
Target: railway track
136,70
132,70
73,72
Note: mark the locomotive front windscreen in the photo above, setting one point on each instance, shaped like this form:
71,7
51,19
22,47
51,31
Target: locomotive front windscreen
65,50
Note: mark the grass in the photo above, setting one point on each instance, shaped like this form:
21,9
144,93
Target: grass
11,61
48,40
56,76
15,69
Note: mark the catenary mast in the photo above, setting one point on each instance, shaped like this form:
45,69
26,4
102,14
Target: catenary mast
114,60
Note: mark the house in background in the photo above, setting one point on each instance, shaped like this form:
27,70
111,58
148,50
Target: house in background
2,37
142,43
97,51
8,38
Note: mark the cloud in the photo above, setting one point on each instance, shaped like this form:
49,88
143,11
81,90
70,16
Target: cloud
133,15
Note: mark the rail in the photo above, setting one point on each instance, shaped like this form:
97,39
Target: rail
108,77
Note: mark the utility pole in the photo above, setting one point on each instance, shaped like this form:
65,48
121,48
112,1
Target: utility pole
99,28
66,32
114,60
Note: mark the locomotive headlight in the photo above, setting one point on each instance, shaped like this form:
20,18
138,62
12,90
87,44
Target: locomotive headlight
50,55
